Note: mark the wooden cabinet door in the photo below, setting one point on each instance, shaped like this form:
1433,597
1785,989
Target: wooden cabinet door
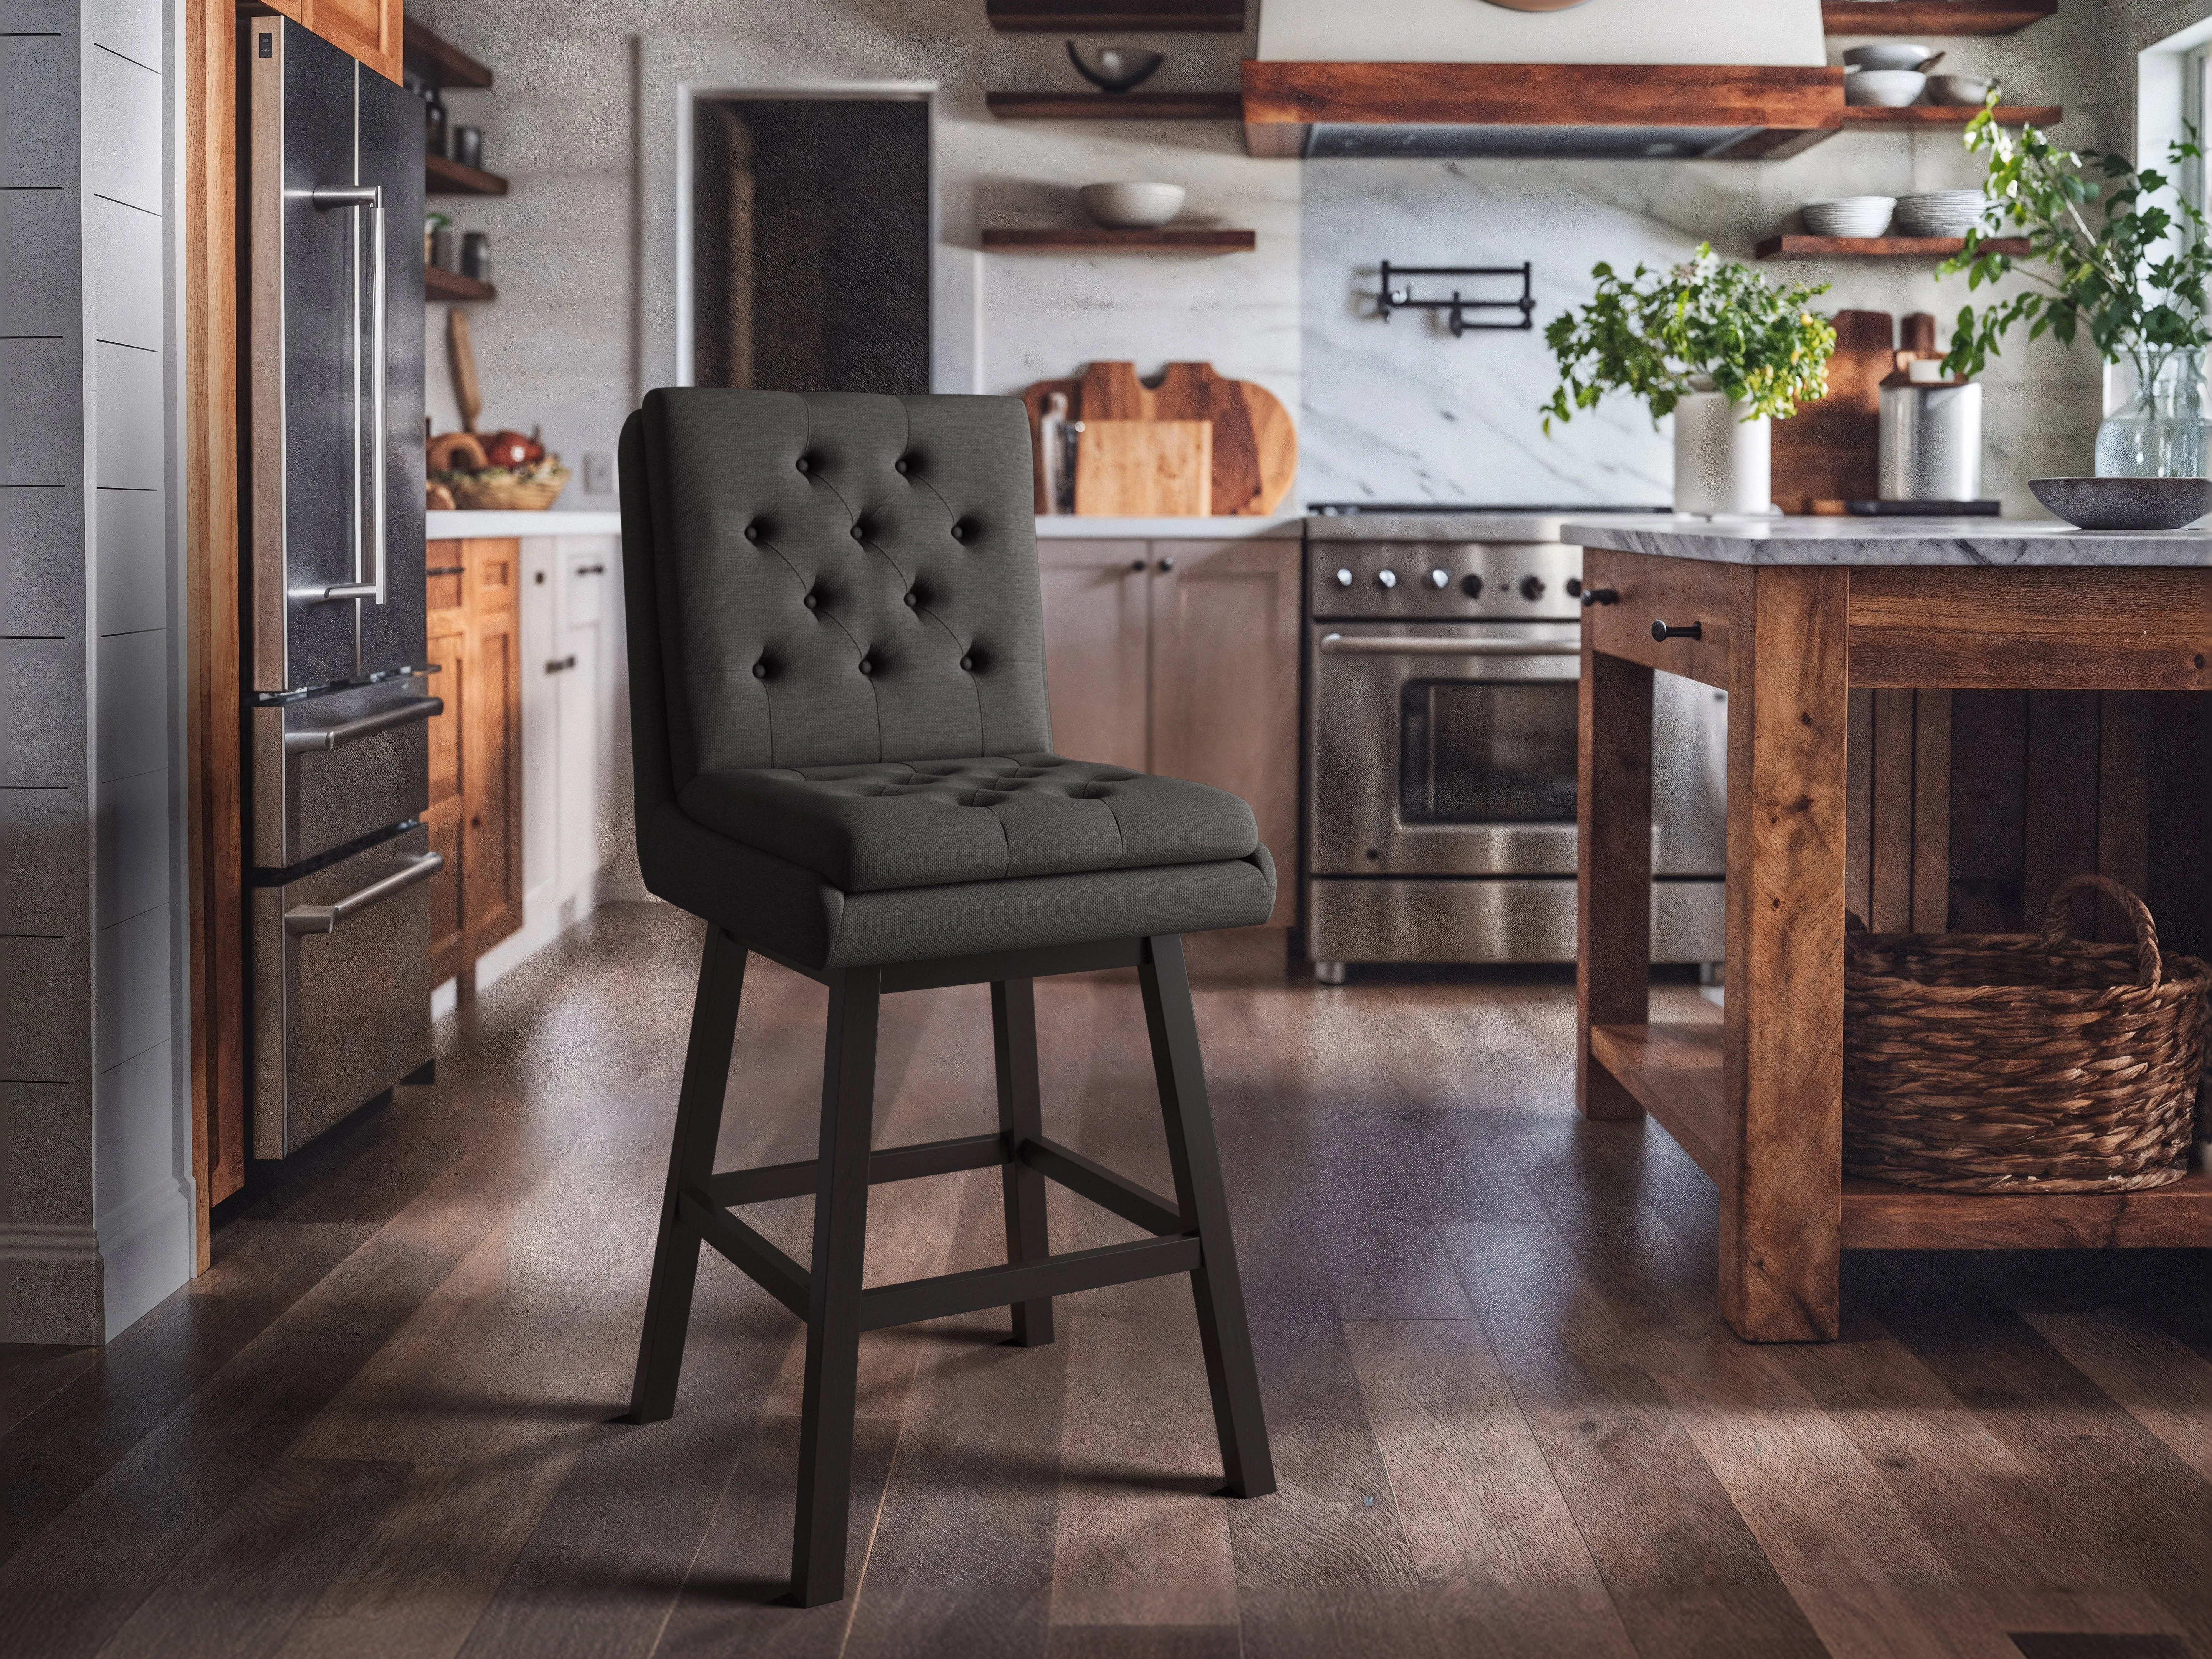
1224,702
370,30
491,745
447,646
1096,649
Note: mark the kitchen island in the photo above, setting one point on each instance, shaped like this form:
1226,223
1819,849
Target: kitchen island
1787,615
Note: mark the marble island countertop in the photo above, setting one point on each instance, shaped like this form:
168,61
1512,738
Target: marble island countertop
1890,541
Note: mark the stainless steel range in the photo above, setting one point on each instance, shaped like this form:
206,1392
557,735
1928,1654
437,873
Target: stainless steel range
1443,648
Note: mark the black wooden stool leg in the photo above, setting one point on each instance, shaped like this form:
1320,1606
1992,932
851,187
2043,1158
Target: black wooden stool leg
1230,1372
1021,1116
832,1316
690,1163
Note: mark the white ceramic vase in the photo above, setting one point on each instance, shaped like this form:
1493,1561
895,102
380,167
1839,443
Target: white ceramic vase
1721,465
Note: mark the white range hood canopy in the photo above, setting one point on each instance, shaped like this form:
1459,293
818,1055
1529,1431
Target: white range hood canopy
1763,31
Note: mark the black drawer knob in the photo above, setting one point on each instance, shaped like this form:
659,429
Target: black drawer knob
1599,596
1661,630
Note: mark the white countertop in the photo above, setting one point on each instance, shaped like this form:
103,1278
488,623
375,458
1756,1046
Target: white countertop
452,526
1891,541
1069,527
447,527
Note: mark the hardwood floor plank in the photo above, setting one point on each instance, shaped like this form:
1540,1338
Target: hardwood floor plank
1686,1574
1787,1466
2119,1480
1141,1541
1143,1641
240,1589
140,1380
1501,1562
961,1561
32,1373
2164,1384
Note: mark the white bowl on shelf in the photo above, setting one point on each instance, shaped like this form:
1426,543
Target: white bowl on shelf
1889,55
1884,88
1848,216
1939,213
1132,206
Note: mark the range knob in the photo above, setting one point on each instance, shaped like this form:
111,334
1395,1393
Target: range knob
1532,587
1471,586
1440,579
1387,578
1343,577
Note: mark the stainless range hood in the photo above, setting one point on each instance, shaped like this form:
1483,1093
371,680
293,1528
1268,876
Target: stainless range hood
1611,79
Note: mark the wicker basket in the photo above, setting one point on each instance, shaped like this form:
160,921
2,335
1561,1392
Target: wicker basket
499,491
2004,1062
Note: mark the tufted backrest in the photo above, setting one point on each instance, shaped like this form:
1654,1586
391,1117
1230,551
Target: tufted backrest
841,578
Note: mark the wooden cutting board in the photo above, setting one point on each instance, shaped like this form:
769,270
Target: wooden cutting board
1146,469
1828,452
1254,445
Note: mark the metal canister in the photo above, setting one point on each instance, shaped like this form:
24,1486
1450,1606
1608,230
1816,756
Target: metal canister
475,255
1932,442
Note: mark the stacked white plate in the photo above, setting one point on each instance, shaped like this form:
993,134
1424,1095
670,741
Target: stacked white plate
1849,216
1939,213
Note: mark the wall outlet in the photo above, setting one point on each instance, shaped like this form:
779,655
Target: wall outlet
598,472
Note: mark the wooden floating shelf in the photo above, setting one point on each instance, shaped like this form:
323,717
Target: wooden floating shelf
1933,16
1948,115
1116,105
439,62
1084,240
439,283
1118,16
1675,1073
445,177
1880,247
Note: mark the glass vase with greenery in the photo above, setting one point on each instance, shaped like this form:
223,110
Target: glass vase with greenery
2106,258
1707,324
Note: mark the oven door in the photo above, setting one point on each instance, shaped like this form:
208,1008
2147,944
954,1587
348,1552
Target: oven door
1443,748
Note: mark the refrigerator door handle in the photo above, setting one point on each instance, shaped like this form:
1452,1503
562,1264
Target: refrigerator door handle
337,737
326,918
370,196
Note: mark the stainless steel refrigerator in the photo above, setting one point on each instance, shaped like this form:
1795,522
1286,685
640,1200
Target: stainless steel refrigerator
340,701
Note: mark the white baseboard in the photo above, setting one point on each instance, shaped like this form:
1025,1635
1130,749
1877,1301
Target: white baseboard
146,1252
50,1283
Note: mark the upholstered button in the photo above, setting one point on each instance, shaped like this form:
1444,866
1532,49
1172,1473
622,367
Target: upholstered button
859,534
752,532
899,465
913,599
866,667
811,601
966,662
760,671
959,532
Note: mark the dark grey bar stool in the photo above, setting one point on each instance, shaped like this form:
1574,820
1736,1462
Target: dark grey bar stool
843,763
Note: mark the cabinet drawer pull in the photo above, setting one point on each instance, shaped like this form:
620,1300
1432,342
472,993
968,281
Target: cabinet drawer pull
444,570
559,663
337,737
1663,631
591,570
326,918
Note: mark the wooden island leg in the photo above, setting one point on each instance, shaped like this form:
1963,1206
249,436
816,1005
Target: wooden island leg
1781,1190
1613,890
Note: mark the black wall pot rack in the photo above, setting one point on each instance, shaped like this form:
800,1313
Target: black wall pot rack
1460,314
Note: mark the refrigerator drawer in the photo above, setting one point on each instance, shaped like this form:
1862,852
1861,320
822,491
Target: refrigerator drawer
341,989
331,770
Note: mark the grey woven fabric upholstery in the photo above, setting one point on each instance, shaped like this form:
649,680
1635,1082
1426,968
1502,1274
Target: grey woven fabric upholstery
840,732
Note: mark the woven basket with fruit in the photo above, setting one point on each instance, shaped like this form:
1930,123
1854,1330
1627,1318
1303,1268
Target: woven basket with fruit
505,473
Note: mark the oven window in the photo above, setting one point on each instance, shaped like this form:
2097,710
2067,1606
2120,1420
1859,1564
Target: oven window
1477,751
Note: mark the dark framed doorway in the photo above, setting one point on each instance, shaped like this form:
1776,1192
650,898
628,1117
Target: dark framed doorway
811,242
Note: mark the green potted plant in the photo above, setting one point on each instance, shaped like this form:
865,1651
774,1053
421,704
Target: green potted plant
2107,258
1709,342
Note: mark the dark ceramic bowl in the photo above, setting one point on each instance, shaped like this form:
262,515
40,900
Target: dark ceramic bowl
2125,503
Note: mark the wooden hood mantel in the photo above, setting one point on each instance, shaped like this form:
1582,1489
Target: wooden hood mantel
1733,112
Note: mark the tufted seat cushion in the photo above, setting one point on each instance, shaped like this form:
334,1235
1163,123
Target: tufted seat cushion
873,828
